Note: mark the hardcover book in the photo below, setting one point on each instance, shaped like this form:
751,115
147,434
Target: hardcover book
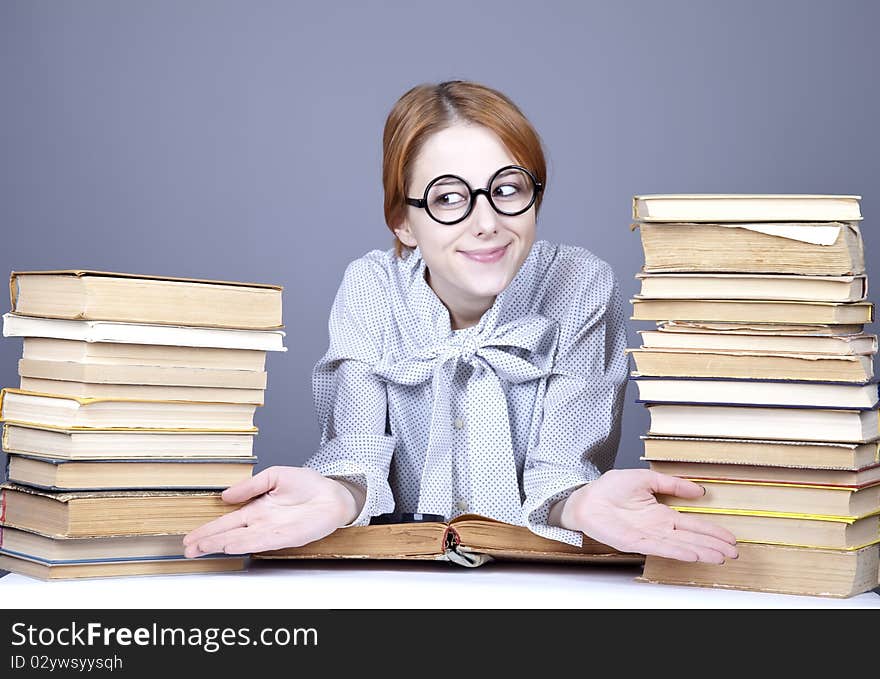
775,568
44,570
783,422
69,412
108,512
691,285
16,325
804,249
97,444
126,474
777,498
126,354
467,540
745,207
806,394
752,311
135,298
752,365
720,471
51,558
771,341
796,530
818,455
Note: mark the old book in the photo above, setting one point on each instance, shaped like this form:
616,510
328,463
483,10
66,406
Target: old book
819,455
775,497
787,423
141,382
123,354
45,570
819,329
32,545
752,311
775,568
752,365
467,540
796,531
68,412
752,286
745,207
109,512
47,557
134,298
141,374
760,342
119,474
851,478
757,392
141,392
15,325
806,249
95,444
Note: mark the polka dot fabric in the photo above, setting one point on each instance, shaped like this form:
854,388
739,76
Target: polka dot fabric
502,419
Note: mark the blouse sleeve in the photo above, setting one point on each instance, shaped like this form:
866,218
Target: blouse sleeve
582,405
350,402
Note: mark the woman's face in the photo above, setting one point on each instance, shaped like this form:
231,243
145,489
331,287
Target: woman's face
466,283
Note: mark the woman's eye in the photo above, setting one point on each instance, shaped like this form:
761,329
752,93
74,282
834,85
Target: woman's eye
506,190
449,199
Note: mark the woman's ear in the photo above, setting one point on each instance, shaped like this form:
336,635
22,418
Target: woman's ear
405,233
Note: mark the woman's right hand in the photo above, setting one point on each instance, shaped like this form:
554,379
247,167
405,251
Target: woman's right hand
292,507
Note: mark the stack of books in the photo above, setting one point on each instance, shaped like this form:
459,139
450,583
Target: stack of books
759,380
135,409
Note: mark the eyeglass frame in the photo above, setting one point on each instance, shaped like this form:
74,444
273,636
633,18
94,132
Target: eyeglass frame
474,193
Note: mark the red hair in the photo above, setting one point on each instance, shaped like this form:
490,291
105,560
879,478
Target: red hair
426,109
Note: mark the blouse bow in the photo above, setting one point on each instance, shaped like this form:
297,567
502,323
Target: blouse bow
517,351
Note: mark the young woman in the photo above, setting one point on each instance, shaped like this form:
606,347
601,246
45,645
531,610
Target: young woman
471,368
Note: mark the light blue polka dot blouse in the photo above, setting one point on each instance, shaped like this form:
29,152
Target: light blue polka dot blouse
501,419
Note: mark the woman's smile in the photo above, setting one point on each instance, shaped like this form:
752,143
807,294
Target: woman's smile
486,255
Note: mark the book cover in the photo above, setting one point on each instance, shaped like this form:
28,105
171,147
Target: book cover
763,452
775,568
17,325
108,513
752,311
757,391
136,298
71,412
691,285
762,422
745,207
97,444
752,365
45,570
49,473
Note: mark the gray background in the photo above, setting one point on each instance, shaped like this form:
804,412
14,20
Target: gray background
242,140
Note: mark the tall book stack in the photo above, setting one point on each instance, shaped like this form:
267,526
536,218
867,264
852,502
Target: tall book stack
759,381
135,408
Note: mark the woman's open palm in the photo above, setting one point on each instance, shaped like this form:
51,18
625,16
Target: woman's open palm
292,506
620,510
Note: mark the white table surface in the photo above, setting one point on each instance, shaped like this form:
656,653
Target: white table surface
302,584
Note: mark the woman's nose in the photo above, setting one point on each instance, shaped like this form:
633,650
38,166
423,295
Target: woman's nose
483,218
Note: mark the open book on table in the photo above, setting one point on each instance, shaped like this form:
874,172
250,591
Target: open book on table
467,540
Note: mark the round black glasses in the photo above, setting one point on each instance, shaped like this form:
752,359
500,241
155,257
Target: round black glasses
449,199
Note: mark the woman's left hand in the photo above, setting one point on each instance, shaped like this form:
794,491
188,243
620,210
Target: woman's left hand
619,509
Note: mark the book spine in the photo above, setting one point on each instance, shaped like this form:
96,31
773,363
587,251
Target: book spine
13,291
